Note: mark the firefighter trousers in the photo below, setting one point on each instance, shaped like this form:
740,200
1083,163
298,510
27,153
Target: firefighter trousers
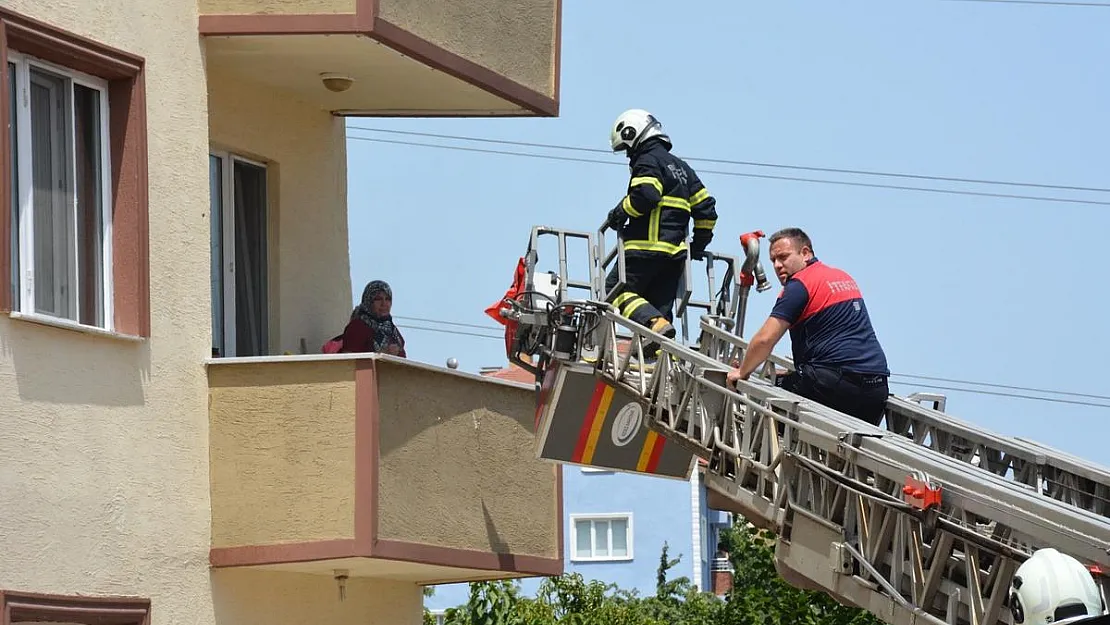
651,286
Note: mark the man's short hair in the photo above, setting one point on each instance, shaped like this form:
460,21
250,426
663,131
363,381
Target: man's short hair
797,235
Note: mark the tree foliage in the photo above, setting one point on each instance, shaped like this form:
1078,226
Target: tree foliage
759,596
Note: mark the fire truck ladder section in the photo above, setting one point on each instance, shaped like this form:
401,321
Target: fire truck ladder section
924,518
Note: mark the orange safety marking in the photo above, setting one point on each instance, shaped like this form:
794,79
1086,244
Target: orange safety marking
651,452
591,425
919,494
598,421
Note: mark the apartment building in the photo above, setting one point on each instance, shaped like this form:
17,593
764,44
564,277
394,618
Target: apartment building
177,222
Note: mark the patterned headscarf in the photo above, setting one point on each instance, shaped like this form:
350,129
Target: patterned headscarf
385,333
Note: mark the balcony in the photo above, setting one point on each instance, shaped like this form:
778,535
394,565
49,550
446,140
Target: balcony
404,57
380,466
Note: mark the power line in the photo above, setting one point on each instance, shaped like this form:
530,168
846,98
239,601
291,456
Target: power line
743,174
453,332
1017,388
1002,394
893,375
450,323
1059,3
721,161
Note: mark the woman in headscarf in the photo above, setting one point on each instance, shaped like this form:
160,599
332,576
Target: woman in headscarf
371,328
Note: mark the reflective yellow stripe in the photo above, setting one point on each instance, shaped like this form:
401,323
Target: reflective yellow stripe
704,224
633,306
671,201
655,246
647,180
626,204
628,302
622,298
699,197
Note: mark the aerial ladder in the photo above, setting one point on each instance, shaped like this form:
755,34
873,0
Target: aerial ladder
923,518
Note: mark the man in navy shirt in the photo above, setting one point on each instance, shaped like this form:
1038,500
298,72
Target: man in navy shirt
838,359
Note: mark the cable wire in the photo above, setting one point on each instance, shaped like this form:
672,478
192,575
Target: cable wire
744,174
893,375
722,161
1057,3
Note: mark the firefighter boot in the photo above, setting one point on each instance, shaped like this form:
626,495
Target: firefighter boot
659,325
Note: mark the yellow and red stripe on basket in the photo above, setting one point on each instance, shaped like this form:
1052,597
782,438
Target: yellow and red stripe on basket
650,452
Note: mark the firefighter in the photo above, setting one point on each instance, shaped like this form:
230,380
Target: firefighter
653,219
1053,588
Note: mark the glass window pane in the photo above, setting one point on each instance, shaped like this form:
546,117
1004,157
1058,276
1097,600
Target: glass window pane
582,539
249,187
620,538
601,539
49,183
89,192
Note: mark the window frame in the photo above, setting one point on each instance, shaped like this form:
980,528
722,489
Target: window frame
228,224
577,518
16,606
25,306
126,142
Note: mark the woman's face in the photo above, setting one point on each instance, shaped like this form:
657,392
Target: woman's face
381,304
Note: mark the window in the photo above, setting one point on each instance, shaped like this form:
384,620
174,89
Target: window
74,241
237,194
604,537
60,193
21,607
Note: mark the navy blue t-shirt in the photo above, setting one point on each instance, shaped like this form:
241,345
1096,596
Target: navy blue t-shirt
829,324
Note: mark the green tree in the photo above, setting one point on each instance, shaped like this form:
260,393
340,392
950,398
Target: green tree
759,596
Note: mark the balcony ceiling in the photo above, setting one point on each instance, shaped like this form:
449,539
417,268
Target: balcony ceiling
386,82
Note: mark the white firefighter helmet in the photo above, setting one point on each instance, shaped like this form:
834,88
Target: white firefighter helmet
632,128
1053,588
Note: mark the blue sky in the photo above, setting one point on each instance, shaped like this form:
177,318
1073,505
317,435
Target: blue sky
975,288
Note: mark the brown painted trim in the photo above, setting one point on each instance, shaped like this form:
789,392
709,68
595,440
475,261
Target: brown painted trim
366,12
125,74
18,607
366,21
253,555
557,64
361,22
560,549
366,455
466,558
269,24
432,55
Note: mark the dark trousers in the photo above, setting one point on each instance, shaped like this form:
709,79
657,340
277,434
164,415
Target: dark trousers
651,286
860,395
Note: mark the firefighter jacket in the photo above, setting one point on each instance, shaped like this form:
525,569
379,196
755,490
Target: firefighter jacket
663,196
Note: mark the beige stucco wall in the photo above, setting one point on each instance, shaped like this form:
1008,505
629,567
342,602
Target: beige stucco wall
515,38
458,465
283,452
249,597
275,7
104,457
305,152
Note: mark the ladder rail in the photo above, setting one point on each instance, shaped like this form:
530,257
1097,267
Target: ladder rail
727,303
1055,474
698,372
